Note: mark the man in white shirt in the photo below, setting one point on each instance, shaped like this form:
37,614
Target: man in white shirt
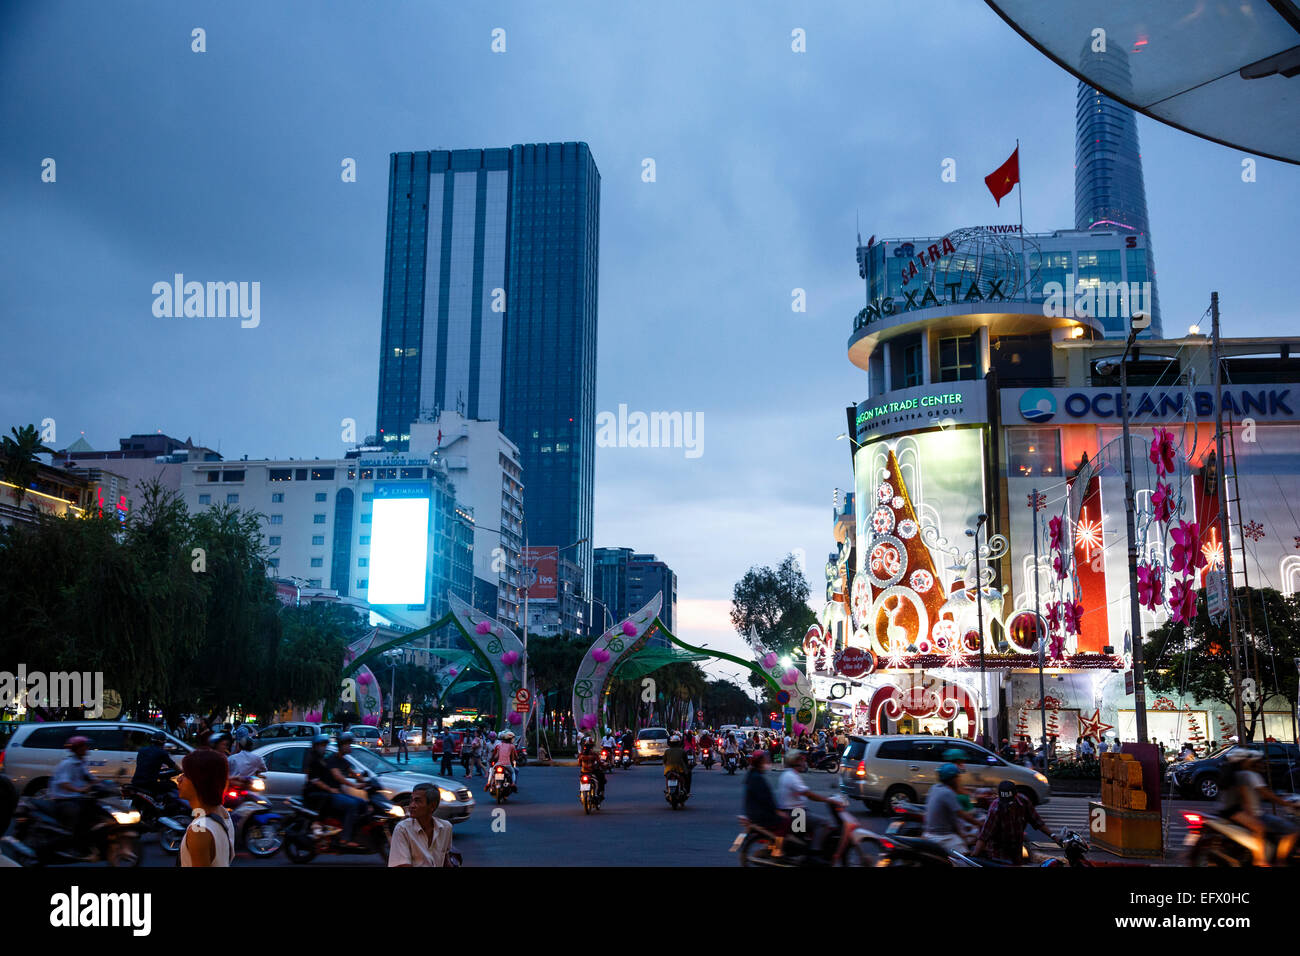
421,839
244,762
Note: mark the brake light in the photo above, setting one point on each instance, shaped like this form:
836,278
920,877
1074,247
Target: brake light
862,768
586,779
1193,820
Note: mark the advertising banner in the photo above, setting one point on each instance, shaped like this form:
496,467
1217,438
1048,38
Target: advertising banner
544,560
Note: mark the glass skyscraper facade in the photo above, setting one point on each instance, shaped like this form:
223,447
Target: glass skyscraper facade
1109,189
490,289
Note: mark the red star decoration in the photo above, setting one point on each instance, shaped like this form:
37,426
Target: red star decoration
1092,726
1037,502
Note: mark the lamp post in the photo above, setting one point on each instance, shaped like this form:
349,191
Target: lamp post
979,615
1139,321
393,656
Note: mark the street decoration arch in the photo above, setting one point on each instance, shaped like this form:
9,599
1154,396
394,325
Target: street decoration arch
943,700
494,646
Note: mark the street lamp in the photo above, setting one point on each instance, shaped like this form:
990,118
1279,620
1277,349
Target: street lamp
979,614
392,656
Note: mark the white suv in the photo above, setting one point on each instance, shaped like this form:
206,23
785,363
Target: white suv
651,742
35,750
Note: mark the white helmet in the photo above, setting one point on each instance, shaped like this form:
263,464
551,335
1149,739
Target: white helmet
508,735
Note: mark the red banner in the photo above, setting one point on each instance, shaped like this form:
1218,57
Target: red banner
1090,570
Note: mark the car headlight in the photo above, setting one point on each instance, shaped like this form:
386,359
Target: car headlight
396,811
126,817
1039,777
259,783
447,796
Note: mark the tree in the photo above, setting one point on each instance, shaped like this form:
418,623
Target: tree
1198,660
21,466
727,703
774,602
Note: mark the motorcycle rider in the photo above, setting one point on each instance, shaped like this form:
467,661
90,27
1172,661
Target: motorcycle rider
220,742
731,748
150,762
675,759
1242,792
589,763
627,741
792,795
943,811
504,755
1004,829
244,762
760,805
72,787
325,782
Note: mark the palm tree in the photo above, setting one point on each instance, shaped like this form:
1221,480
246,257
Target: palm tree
20,465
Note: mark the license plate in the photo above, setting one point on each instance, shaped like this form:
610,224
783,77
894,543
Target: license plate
672,784
586,787
1189,840
501,776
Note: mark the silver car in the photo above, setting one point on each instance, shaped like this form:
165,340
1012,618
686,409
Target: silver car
35,750
651,742
901,768
286,776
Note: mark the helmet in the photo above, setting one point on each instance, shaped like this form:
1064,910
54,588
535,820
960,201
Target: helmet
346,737
242,734
218,737
157,737
586,746
675,739
76,740
508,735
948,771
320,739
492,735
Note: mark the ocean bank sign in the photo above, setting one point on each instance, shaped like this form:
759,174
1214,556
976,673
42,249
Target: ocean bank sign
1081,406
925,406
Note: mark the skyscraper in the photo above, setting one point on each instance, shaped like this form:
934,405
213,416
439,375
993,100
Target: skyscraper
490,310
1109,189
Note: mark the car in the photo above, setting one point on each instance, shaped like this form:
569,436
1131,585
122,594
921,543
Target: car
293,729
366,736
35,749
414,737
886,770
1201,778
651,742
457,738
285,777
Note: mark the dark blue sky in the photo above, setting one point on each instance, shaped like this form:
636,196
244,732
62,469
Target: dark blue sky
225,166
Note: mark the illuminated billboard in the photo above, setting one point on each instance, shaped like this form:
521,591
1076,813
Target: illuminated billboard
545,560
913,594
399,543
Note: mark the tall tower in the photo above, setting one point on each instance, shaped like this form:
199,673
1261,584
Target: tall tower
1109,190
490,310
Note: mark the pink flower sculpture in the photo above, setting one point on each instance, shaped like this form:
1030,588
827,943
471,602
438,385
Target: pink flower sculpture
799,728
371,719
600,654
515,718
1054,531
1061,567
1162,502
1072,615
314,717
790,677
769,659
629,628
1163,451
509,657
1150,585
1182,601
452,672
1054,616
483,627
1185,556
364,678
1056,647
588,721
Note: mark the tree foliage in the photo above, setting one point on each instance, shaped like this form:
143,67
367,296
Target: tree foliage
20,464
774,602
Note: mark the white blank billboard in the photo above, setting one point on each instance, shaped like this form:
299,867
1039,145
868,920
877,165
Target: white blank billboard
399,550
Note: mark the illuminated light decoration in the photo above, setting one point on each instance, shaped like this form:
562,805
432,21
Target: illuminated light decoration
945,633
886,561
1253,530
898,501
943,701
1092,726
882,520
886,491
1213,551
921,580
923,646
861,601
897,656
1087,535
898,616
1024,629
860,638
1090,623
854,662
907,529
591,681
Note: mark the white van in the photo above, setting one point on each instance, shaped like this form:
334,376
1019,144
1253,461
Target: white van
35,749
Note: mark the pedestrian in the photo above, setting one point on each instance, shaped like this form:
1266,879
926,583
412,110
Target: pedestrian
402,750
448,746
210,839
480,745
421,839
466,751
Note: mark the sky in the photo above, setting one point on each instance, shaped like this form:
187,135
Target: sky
225,166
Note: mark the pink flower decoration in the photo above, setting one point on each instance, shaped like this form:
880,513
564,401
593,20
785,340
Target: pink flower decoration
314,717
769,659
1056,646
1162,502
483,627
1054,616
1054,531
1185,556
790,677
629,628
799,728
452,672
588,721
1061,567
371,719
1150,585
515,718
1163,452
600,654
1182,601
1072,614
364,678
509,657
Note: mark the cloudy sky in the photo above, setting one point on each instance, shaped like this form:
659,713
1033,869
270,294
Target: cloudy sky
225,165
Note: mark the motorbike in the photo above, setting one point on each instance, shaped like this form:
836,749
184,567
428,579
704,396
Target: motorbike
1215,840
690,759
1075,847
589,793
606,760
259,827
310,832
706,758
40,838
623,757
675,789
167,815
729,762
501,783
822,759
755,845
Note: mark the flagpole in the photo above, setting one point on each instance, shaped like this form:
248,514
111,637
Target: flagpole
1020,201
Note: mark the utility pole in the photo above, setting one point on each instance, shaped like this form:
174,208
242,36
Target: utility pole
979,616
1224,525
1130,524
1038,632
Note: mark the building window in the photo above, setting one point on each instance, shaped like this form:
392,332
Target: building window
363,583
277,497
205,499
277,519
320,496
317,519
957,358
318,539
275,540
363,562
322,474
232,499
300,474
365,539
281,474
232,475
273,562
214,476
1033,451
318,562
367,495
412,473
365,518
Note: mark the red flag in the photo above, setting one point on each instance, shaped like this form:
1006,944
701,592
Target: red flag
1004,177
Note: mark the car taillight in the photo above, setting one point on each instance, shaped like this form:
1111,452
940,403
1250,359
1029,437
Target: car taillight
862,768
1193,820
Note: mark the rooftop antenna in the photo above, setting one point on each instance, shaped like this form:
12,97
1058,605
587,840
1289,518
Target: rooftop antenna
857,220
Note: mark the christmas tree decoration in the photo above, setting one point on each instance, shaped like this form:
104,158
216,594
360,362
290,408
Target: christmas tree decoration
1194,735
